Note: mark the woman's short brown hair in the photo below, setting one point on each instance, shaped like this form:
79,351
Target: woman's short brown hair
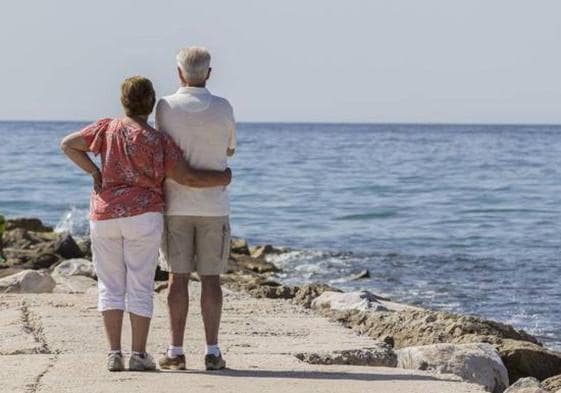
137,96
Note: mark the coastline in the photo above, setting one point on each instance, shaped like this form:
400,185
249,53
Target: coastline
388,334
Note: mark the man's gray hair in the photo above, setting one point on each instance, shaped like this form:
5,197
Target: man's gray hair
194,63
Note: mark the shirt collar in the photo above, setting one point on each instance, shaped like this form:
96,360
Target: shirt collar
193,90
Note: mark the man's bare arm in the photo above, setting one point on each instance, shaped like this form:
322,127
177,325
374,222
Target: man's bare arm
184,174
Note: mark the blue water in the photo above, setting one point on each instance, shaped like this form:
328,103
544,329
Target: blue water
460,218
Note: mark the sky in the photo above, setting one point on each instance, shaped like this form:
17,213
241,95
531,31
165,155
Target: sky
455,61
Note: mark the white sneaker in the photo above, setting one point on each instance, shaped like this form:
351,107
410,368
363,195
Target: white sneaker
115,361
141,362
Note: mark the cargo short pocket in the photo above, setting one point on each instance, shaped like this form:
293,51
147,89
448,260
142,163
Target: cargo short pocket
225,241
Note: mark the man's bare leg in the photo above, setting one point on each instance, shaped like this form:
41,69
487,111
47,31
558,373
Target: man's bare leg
211,306
178,306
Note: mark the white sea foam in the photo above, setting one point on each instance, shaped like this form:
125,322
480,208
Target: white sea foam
74,221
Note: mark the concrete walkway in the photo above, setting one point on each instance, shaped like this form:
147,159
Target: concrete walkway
55,343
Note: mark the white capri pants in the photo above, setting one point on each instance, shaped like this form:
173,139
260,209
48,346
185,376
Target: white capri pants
125,256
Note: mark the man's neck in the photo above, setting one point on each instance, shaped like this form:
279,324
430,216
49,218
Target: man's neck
203,85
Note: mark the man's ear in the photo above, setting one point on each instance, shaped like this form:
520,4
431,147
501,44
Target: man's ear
180,74
208,74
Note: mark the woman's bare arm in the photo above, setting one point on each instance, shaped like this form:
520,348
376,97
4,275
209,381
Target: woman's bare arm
184,174
75,147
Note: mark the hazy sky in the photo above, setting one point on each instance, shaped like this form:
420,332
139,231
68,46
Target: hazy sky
291,60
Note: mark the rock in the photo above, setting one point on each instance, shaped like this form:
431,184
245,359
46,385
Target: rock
255,265
478,363
85,245
273,292
43,260
67,247
307,293
412,327
161,275
261,251
75,267
160,287
359,276
359,300
239,246
73,284
18,238
525,359
27,281
552,384
381,355
525,385
29,224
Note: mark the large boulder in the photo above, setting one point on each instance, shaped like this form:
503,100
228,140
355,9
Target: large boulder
73,284
306,294
75,267
381,355
526,359
411,327
66,247
552,384
526,385
478,363
27,281
359,300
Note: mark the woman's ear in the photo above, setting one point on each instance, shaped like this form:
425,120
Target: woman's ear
208,74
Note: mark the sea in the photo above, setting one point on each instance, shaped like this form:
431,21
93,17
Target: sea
462,218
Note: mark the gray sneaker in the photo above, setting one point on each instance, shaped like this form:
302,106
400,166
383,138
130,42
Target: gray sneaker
115,361
142,362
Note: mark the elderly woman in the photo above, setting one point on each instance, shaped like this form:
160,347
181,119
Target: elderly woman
126,209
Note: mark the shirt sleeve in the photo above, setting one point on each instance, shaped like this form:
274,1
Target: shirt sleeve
94,135
172,153
232,139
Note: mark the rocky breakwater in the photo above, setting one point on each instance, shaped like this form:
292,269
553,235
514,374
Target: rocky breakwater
489,353
478,350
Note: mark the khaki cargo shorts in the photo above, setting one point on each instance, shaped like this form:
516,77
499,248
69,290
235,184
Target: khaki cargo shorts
195,244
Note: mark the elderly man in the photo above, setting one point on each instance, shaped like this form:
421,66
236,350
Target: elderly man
197,230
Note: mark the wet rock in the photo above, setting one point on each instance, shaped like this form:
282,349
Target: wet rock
262,251
29,224
477,363
526,359
359,300
75,267
361,275
255,265
67,247
27,281
381,355
307,293
552,384
525,385
239,246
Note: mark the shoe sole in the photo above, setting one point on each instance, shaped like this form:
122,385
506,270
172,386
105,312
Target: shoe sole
178,367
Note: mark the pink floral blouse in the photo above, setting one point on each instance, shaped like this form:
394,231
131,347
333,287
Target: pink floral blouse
133,166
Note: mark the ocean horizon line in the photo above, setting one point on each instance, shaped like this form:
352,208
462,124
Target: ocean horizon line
353,123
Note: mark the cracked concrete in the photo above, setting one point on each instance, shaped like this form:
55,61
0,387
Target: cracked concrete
55,343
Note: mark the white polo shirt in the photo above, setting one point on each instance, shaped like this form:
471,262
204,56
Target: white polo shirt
203,127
